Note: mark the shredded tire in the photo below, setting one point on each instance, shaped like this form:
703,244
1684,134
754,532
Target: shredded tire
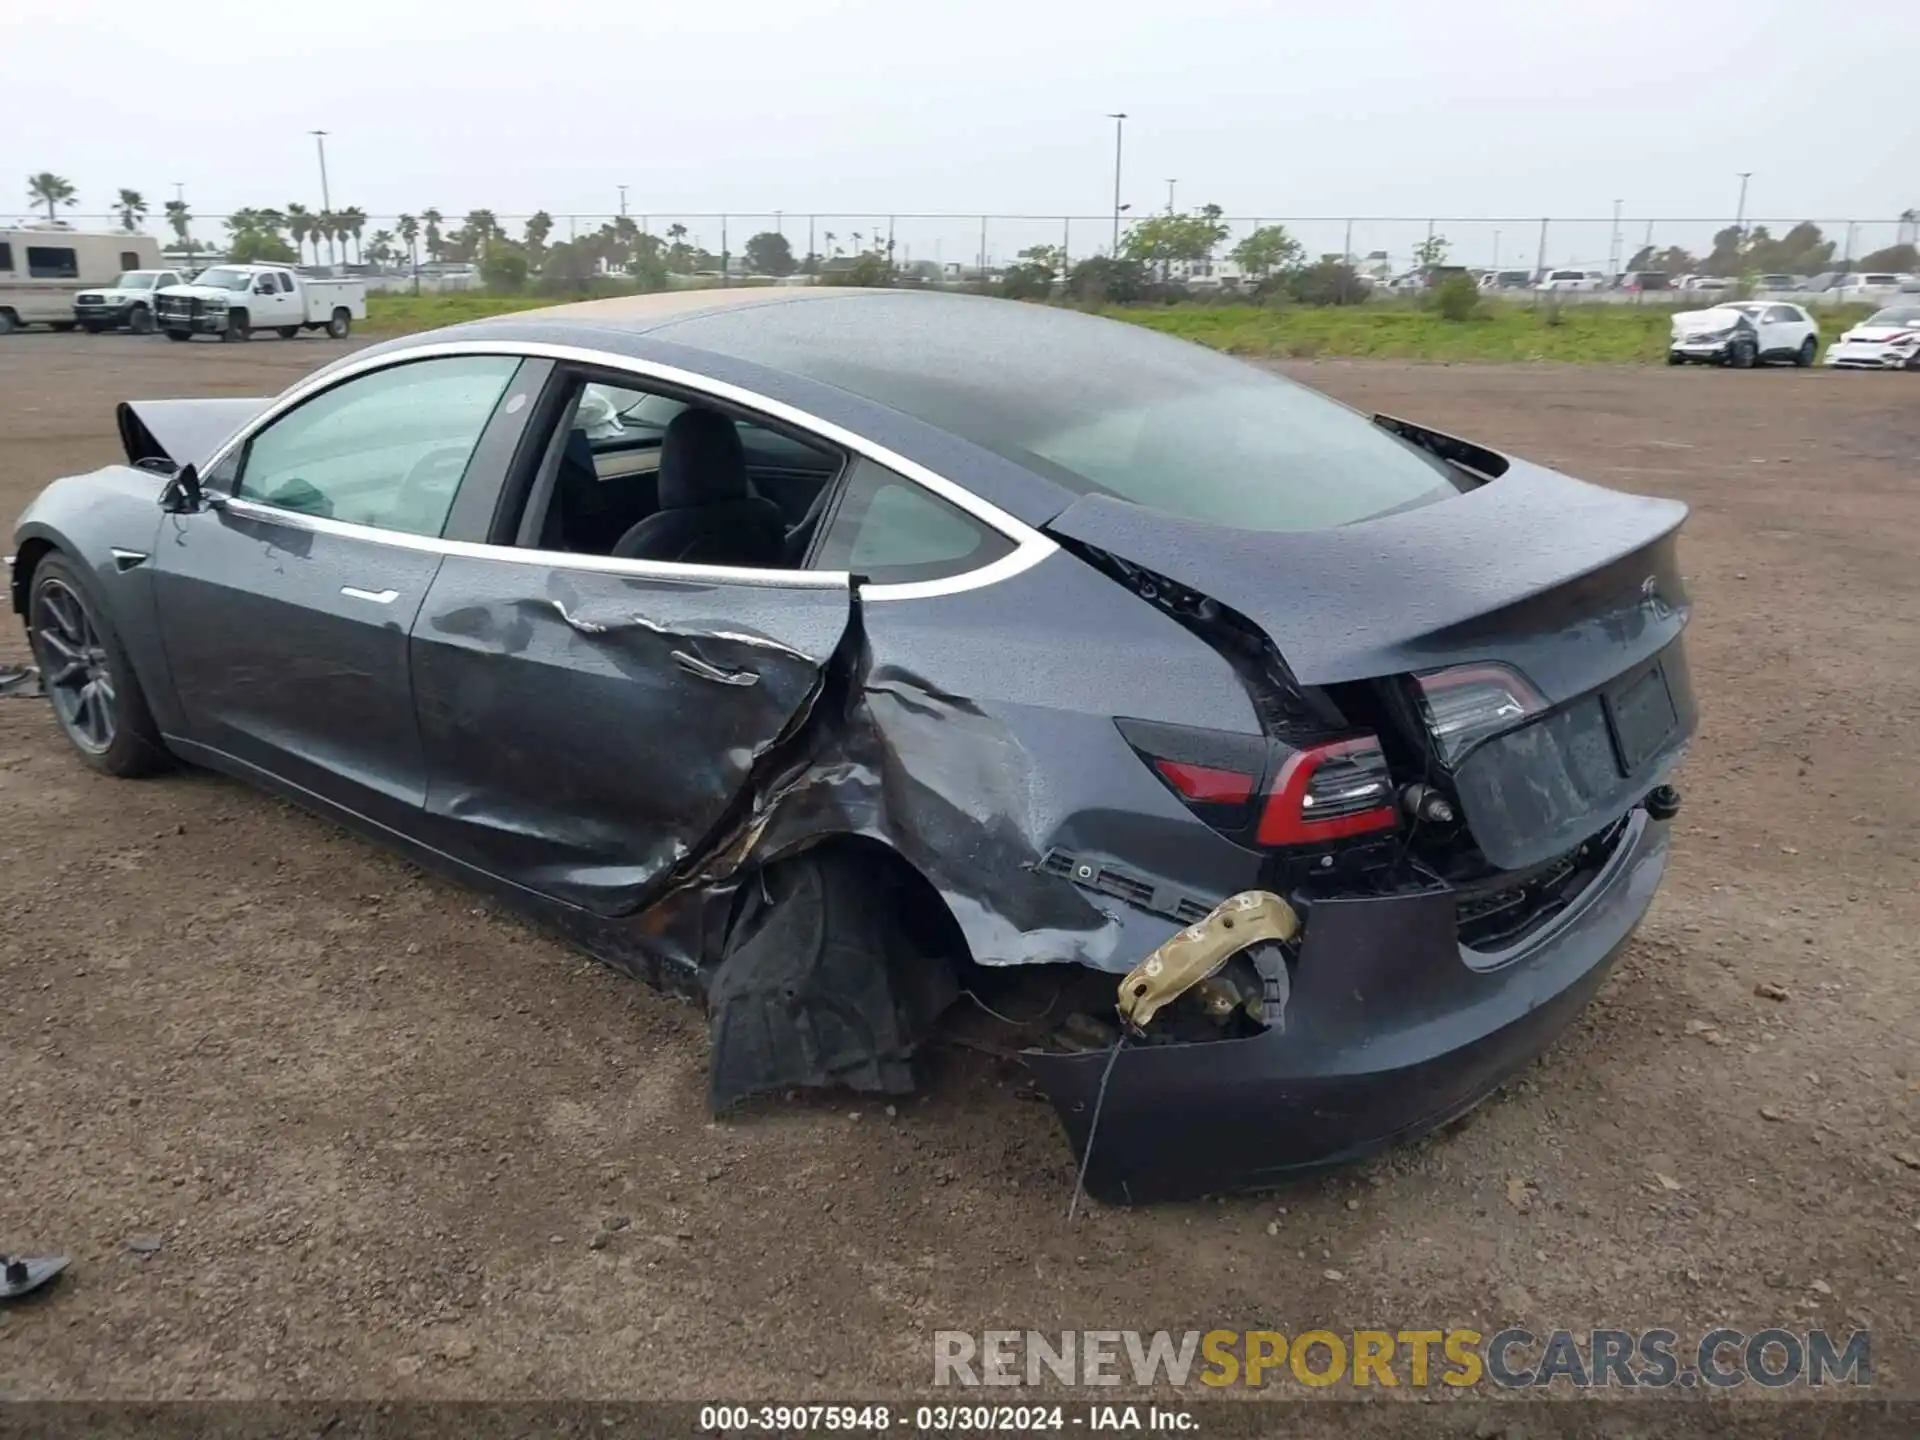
821,985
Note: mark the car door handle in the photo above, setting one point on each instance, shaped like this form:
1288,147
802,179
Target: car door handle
693,665
378,597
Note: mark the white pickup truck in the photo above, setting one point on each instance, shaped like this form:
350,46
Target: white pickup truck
233,301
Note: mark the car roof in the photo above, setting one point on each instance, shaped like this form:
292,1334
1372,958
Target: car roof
781,343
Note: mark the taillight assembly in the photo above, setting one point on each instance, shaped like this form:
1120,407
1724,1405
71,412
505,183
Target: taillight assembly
1471,703
1329,792
1265,792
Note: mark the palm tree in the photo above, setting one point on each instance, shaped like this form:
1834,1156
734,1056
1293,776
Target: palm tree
481,228
380,247
352,221
433,219
178,219
132,207
409,229
300,226
326,227
49,189
676,232
832,249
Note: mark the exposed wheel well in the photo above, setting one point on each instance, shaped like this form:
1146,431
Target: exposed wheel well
32,551
919,906
838,960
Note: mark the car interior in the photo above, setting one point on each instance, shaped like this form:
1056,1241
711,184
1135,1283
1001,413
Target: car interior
643,476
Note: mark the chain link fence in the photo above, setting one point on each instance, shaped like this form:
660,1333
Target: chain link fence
954,247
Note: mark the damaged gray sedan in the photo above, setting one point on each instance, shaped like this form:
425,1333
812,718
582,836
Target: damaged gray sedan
826,654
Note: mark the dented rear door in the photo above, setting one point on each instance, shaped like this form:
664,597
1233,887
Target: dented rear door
588,725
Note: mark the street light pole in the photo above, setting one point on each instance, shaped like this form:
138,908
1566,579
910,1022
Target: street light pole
1170,185
1119,118
1740,215
320,144
623,200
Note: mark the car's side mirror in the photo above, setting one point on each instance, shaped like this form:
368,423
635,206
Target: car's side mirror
182,494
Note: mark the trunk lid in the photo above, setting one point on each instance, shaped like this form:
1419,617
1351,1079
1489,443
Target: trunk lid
1574,586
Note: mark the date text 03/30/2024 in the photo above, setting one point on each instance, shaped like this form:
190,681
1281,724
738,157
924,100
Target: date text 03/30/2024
942,1419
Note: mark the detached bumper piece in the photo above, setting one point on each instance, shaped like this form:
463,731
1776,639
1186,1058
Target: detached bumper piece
1392,1028
21,1275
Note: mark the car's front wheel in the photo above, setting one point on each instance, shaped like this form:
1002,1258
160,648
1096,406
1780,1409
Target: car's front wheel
1741,354
1803,357
84,670
141,320
238,326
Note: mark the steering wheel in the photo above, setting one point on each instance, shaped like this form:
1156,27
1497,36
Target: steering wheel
428,487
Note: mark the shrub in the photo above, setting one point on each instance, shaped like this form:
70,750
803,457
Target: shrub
504,267
1331,282
1457,297
1105,281
1026,282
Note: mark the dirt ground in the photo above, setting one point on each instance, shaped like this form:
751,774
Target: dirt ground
314,1125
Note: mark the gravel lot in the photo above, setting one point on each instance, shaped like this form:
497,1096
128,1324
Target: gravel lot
314,1125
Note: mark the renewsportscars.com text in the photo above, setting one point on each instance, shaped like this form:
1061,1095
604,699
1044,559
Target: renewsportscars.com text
1514,1358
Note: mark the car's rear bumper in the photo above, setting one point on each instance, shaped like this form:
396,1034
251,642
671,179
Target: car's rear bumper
1392,1029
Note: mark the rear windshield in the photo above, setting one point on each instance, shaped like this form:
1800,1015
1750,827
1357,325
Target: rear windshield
1097,406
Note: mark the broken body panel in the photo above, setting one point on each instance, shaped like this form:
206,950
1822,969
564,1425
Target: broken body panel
619,755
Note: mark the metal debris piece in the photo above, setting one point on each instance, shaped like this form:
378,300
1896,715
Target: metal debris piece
21,680
1252,917
20,1274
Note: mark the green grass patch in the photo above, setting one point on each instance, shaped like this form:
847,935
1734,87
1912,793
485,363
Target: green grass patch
1591,333
404,314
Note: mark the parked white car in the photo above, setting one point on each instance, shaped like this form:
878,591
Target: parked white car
233,301
1744,334
1572,280
125,304
1875,287
1888,339
1707,284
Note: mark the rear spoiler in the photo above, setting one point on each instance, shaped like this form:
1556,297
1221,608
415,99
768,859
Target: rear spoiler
180,432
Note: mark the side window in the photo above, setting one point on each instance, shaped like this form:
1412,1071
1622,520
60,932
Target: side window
387,449
6,255
129,260
52,262
286,283
894,532
1781,314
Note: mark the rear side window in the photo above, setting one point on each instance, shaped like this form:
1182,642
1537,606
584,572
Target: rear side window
6,256
129,260
893,532
52,262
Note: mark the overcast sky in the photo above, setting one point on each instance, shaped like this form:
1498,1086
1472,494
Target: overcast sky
1396,107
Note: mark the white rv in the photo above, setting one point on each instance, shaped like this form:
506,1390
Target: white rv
43,267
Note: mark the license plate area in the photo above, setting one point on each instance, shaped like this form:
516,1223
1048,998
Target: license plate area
1641,716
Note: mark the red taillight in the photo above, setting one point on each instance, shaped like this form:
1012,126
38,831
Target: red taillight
1205,785
1329,792
1262,791
1471,703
